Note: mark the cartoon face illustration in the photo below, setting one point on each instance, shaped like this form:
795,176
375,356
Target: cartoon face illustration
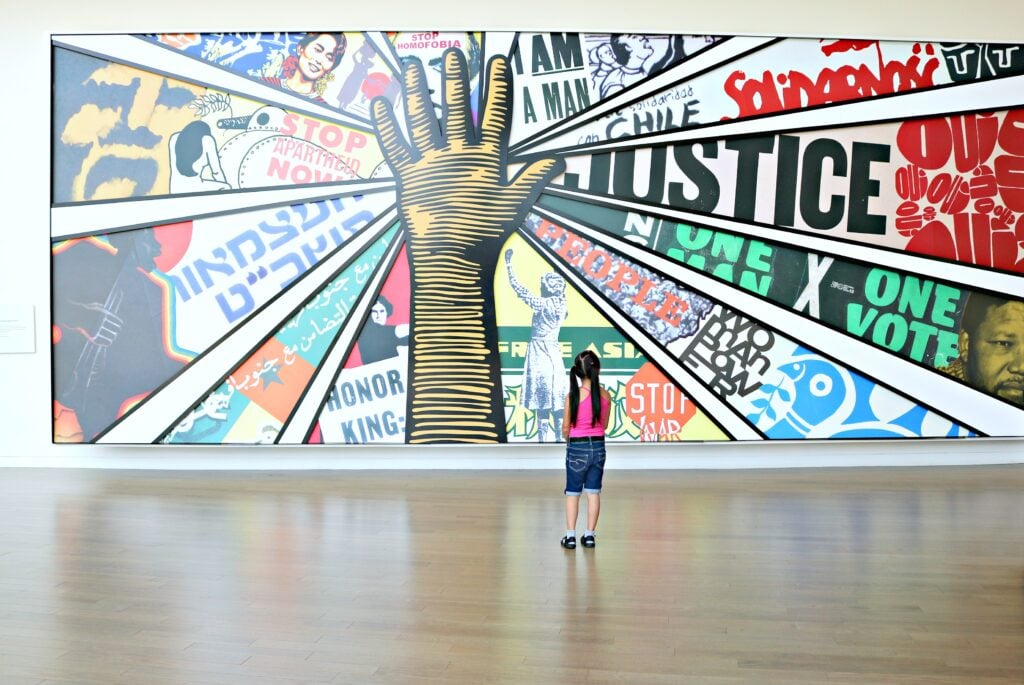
604,54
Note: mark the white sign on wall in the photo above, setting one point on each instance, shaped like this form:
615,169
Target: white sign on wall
16,329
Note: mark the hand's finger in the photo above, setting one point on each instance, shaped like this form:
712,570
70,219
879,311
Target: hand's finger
537,175
457,121
395,149
497,103
423,129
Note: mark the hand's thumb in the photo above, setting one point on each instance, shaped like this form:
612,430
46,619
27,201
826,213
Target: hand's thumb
536,175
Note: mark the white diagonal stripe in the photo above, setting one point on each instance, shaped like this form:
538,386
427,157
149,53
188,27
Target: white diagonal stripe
90,218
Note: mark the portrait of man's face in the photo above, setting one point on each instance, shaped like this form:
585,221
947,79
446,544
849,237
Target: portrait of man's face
639,46
90,163
379,314
995,352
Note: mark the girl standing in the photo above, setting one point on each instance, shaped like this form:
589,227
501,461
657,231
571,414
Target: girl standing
587,407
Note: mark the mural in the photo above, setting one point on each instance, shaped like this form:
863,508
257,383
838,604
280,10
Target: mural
405,238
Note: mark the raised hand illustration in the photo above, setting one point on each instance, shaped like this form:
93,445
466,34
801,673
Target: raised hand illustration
459,208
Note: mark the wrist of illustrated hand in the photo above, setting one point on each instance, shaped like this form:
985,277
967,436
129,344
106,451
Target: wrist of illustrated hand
466,234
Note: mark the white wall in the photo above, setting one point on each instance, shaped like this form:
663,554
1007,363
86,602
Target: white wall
24,178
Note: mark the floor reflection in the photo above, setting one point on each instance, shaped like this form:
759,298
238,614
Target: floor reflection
351,577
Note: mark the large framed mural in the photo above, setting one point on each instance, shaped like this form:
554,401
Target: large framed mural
404,238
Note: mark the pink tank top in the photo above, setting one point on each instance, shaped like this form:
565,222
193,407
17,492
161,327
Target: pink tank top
585,426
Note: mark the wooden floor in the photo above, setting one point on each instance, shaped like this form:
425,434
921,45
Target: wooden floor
794,576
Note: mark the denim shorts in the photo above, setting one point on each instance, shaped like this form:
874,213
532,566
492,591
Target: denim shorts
584,467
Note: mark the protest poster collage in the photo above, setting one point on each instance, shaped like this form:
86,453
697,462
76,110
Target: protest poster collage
404,238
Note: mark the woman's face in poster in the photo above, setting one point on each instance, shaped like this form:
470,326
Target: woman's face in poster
317,58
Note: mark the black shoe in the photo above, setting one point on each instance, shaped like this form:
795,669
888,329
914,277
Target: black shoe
569,542
588,541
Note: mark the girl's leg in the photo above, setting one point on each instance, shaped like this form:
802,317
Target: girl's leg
543,424
572,511
593,509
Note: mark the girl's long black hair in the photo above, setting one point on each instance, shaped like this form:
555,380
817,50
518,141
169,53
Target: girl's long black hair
586,365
